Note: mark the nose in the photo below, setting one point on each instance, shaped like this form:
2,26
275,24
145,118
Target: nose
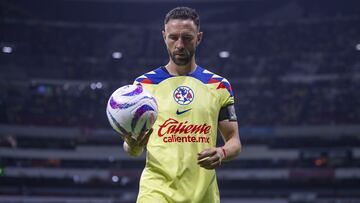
179,44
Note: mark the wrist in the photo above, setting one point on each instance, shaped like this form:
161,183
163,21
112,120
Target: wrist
224,153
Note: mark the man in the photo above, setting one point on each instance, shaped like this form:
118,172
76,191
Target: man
193,103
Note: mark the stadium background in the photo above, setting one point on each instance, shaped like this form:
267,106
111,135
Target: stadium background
294,66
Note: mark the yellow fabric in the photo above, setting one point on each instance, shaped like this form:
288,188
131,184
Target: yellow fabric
171,174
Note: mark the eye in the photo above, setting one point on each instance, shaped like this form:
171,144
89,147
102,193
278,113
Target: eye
173,37
187,38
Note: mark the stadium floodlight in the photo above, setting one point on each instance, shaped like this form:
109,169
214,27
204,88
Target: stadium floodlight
76,178
115,179
7,50
124,180
96,85
117,55
224,54
357,47
99,85
93,86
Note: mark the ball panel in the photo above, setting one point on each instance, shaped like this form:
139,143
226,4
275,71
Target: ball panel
116,125
136,91
139,113
131,110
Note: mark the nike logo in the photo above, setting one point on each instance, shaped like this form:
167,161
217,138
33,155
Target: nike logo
181,112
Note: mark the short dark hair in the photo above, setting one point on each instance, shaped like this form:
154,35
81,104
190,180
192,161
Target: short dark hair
183,13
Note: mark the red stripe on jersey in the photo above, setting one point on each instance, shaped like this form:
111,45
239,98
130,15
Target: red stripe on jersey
212,80
221,85
147,81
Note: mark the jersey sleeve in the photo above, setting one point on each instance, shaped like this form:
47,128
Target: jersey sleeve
226,93
139,79
143,79
152,78
136,82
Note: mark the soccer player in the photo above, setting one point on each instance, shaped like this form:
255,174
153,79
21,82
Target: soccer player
193,104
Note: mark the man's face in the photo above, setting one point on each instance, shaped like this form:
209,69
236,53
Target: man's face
181,39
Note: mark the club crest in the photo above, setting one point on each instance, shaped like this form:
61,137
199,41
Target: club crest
183,95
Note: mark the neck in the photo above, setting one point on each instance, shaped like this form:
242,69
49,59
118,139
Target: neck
174,69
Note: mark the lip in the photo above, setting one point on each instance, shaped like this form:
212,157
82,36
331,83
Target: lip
180,55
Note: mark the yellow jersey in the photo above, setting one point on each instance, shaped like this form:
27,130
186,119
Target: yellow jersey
187,122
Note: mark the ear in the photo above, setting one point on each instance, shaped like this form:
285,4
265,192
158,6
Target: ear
199,38
164,35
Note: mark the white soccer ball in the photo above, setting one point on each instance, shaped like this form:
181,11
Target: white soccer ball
131,109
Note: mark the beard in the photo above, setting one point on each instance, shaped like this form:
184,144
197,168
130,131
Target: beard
183,59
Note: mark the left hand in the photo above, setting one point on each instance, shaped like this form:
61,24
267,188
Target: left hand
210,158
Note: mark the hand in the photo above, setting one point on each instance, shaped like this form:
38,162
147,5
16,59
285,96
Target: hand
210,158
136,146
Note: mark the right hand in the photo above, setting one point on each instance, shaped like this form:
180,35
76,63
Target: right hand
136,146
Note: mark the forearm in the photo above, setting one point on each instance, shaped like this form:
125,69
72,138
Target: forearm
232,148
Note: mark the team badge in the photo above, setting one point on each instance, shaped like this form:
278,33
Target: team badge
183,95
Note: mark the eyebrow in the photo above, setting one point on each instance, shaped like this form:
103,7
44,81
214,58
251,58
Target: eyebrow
183,35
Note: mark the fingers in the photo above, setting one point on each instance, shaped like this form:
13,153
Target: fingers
206,153
140,141
212,165
144,140
144,134
150,131
209,161
144,137
209,158
127,138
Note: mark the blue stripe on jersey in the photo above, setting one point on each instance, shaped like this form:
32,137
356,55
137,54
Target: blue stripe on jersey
228,87
200,75
155,78
218,79
207,77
